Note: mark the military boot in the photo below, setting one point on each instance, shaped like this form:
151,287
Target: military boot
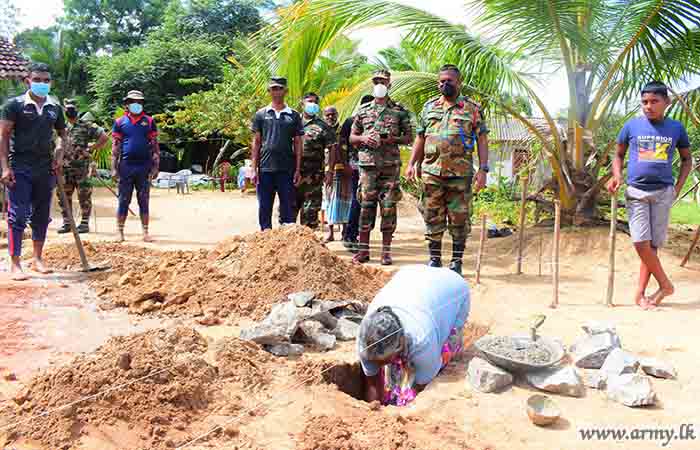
64,229
435,253
362,255
84,227
457,253
386,249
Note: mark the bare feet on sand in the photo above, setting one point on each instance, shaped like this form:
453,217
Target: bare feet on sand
662,293
16,273
147,238
646,303
640,299
39,267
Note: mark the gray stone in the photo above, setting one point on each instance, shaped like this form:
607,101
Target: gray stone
301,299
265,334
315,333
593,379
345,313
590,351
594,327
486,377
559,380
346,330
631,389
285,349
658,368
327,319
619,362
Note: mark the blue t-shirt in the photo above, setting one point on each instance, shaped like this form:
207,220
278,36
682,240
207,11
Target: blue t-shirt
651,149
136,134
429,302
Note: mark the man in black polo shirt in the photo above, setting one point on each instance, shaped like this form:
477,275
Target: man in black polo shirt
29,167
276,155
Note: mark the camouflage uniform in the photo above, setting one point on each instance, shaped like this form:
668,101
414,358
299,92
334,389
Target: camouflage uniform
447,166
380,168
317,136
76,167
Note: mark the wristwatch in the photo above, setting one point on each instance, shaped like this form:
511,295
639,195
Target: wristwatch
484,168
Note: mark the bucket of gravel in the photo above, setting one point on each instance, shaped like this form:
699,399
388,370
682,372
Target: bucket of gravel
521,353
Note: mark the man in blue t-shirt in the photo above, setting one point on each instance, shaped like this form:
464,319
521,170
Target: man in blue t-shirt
652,140
135,159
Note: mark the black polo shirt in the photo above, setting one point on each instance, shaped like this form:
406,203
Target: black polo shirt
32,143
278,132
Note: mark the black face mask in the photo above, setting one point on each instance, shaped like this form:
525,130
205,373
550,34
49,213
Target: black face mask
71,113
449,90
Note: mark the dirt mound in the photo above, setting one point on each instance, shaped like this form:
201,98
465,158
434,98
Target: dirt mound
243,275
243,362
376,430
154,381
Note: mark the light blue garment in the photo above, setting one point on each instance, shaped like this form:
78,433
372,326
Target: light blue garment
429,302
40,89
135,108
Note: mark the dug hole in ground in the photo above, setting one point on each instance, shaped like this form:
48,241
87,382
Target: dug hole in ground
125,351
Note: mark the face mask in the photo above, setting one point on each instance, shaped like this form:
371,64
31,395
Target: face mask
71,113
311,108
135,108
449,90
380,90
40,89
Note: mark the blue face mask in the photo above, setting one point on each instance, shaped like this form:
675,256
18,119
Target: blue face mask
311,108
40,89
135,108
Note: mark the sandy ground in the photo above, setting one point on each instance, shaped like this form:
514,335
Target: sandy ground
503,301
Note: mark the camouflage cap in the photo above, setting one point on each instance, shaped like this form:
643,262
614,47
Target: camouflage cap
381,74
277,82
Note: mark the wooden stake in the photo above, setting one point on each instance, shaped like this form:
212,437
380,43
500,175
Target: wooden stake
521,231
539,257
482,241
692,247
555,255
611,263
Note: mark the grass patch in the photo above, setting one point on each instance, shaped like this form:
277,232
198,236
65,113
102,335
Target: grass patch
685,213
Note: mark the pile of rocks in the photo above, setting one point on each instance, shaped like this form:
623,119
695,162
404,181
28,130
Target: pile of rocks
304,320
598,361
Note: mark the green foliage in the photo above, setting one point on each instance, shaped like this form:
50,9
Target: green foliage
686,213
498,204
165,71
227,109
111,25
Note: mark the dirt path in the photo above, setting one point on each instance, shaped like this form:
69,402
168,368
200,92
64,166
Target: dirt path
448,409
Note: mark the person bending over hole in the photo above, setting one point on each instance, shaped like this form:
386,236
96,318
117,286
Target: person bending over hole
413,328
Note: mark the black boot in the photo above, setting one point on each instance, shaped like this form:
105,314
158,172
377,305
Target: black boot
457,253
83,227
435,253
64,229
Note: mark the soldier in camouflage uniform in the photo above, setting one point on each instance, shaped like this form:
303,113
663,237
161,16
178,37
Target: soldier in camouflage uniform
82,133
317,136
448,130
378,130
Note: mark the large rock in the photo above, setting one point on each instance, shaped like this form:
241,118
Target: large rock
315,333
285,349
631,389
486,377
590,351
619,362
657,368
346,330
559,380
592,328
278,327
301,299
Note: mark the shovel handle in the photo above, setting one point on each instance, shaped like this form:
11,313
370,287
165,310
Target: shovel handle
71,222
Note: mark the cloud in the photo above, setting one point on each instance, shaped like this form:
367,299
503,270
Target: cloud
37,13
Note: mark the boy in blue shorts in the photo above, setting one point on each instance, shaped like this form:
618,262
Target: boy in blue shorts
651,190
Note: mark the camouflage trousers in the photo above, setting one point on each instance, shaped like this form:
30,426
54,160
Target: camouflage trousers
445,204
308,199
76,179
379,185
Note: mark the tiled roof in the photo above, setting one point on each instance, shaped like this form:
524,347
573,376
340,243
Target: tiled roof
512,130
12,65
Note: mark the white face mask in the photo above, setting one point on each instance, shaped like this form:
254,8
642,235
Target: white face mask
380,90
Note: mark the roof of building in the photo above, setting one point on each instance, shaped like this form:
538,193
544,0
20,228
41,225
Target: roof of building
513,130
13,66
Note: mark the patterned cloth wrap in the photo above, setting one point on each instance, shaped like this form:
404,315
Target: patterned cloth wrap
398,377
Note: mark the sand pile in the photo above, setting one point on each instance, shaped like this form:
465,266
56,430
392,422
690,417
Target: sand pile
157,382
243,275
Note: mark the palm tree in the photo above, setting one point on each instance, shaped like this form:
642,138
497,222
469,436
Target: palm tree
606,48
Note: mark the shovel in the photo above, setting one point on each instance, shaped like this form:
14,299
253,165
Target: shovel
76,236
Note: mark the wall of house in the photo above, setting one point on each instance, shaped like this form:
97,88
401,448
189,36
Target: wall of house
502,160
